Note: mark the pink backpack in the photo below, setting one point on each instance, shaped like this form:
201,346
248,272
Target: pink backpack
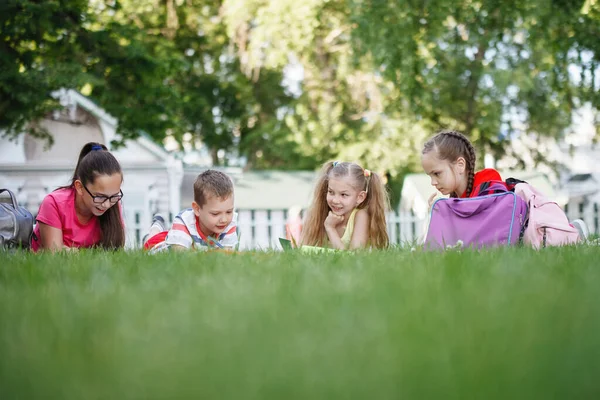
548,225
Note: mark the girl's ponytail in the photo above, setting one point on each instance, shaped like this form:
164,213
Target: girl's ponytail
85,150
377,204
313,231
113,231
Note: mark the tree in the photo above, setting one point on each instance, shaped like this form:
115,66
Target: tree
587,53
157,66
341,98
199,88
39,51
491,69
376,77
54,44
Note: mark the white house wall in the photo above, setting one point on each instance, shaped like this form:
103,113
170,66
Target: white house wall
152,181
265,190
11,151
31,184
135,153
69,138
581,159
152,177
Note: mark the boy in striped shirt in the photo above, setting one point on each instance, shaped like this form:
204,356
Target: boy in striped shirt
209,224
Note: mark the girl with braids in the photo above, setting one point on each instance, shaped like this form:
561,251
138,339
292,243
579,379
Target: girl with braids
348,209
449,160
83,213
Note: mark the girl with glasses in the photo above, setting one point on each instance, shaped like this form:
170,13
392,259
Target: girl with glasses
83,214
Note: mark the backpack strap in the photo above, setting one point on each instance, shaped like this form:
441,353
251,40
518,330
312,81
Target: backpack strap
490,187
512,182
12,197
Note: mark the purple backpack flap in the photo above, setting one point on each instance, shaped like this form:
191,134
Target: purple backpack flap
484,221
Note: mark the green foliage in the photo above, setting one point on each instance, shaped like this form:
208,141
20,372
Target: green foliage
185,77
337,113
39,45
375,77
508,323
159,67
473,65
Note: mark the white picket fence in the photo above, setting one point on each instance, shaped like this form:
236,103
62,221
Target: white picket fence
261,229
586,211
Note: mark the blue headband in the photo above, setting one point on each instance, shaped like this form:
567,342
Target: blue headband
96,147
335,163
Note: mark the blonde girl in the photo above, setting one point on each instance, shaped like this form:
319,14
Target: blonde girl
348,209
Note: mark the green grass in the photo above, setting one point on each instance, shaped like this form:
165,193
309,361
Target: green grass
509,323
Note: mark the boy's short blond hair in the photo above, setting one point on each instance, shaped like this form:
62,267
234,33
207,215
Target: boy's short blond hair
212,183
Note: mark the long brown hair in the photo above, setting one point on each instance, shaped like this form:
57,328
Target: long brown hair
376,203
450,145
95,160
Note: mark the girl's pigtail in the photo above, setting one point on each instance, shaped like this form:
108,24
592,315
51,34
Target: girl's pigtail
471,166
377,204
470,157
367,173
313,231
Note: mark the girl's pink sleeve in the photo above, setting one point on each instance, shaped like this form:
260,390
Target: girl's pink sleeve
49,213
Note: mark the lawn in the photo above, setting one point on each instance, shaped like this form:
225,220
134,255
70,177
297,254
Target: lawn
509,323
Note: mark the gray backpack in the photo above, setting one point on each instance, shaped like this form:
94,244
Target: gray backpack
16,223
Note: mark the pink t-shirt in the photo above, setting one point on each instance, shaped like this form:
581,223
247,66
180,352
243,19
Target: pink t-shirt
58,210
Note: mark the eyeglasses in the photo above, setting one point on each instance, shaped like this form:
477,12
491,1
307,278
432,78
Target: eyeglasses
102,199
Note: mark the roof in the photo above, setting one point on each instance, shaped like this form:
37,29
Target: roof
260,189
69,97
581,186
141,150
144,143
581,178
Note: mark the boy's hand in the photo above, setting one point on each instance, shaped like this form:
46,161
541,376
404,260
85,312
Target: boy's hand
333,220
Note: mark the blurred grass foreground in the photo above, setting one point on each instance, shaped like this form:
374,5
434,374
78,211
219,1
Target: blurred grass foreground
508,323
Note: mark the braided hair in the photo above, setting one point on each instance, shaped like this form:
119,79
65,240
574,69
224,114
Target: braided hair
450,145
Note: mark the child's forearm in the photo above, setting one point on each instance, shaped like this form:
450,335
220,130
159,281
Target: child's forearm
334,239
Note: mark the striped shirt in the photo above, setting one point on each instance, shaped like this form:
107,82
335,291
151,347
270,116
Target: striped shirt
186,232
